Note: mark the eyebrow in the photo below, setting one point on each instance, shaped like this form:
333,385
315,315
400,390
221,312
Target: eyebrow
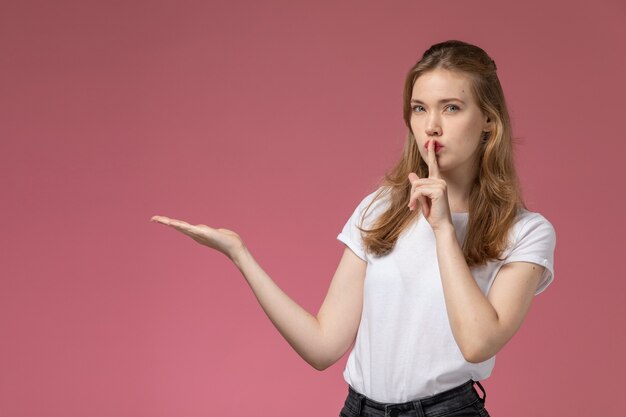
445,100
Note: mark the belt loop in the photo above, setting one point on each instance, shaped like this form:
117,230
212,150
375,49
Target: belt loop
483,390
359,406
419,410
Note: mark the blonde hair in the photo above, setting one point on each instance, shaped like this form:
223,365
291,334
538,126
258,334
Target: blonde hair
495,194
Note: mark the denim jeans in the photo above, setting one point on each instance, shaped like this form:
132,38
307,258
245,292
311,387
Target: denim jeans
460,401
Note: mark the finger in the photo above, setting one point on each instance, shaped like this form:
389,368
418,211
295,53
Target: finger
418,197
416,181
414,197
426,192
425,209
160,219
413,177
163,220
181,225
433,168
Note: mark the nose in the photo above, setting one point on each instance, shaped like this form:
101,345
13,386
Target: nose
433,127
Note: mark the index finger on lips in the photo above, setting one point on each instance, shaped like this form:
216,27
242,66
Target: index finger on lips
433,168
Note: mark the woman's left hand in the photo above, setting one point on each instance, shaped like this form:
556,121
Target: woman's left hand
431,193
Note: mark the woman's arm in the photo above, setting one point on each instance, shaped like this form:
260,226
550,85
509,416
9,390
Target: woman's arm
483,325
323,339
320,340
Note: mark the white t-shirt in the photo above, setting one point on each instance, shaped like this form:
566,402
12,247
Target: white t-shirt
404,347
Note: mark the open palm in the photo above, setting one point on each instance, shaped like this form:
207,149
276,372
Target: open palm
223,240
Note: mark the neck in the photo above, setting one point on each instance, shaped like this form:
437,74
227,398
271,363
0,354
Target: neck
459,187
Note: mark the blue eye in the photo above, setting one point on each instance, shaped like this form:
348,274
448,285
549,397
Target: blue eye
415,108
455,106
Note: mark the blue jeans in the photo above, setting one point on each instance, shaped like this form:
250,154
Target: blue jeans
461,401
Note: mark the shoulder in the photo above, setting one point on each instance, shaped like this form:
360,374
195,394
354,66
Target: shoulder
375,202
367,210
531,229
527,221
533,239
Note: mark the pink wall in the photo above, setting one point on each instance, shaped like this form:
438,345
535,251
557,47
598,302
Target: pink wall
274,119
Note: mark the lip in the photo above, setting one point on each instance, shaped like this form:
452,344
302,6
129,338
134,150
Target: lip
438,146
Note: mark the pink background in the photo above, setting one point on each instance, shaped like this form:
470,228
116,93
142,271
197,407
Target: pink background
274,119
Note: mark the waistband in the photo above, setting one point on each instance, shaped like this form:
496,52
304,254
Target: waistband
452,399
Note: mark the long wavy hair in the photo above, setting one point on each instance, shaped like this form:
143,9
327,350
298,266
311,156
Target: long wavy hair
495,194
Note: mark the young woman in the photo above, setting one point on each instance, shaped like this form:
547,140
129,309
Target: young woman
442,260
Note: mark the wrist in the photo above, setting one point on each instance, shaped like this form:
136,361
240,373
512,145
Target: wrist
238,255
445,230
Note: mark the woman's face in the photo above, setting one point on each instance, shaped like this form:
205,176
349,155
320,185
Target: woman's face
445,111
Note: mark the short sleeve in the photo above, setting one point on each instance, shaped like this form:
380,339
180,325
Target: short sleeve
350,234
535,242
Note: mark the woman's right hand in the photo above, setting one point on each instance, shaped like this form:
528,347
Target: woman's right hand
223,240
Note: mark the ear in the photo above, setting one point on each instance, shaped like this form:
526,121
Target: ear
488,124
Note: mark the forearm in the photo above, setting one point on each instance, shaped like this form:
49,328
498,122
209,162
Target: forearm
472,317
300,328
